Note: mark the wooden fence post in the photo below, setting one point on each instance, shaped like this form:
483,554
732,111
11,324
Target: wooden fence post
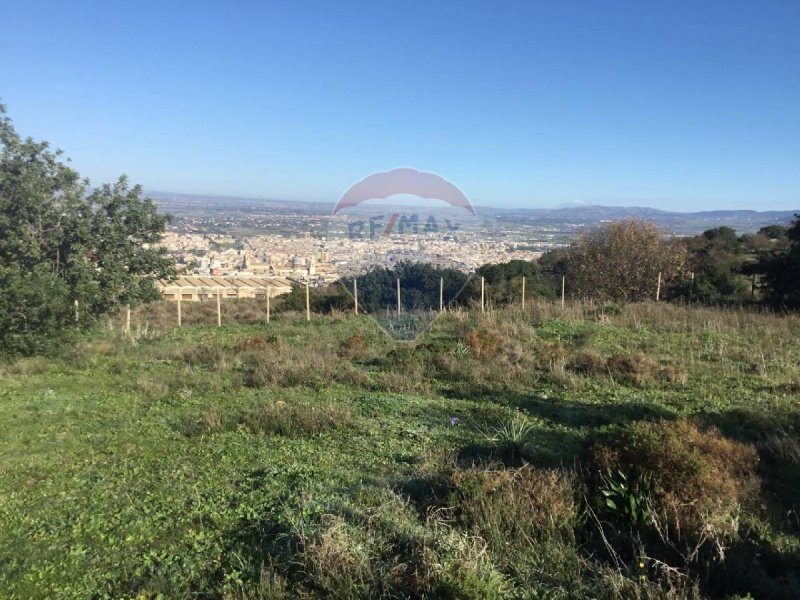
441,294
355,295
179,309
398,296
128,320
219,309
308,303
523,292
563,288
482,295
267,303
658,287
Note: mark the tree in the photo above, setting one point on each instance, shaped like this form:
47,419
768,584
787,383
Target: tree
377,289
782,271
621,261
717,258
62,242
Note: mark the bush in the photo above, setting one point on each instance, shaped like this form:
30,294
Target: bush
482,343
635,369
701,479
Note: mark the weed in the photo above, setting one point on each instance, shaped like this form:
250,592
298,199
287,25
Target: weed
512,436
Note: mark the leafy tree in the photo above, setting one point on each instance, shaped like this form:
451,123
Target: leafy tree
717,258
62,242
504,283
419,283
781,271
621,261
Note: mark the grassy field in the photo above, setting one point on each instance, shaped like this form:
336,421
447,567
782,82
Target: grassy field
646,451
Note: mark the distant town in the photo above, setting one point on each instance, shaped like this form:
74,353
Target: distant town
304,243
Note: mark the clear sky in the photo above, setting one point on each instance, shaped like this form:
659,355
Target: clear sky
677,105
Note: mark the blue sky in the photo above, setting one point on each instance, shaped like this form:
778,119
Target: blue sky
676,105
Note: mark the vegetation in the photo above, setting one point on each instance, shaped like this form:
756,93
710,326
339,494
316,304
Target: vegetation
621,261
322,459
68,253
781,268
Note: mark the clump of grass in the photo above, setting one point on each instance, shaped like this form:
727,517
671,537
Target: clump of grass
152,388
260,341
782,446
527,518
482,343
352,345
514,506
25,367
587,363
636,369
512,437
293,366
210,356
338,565
295,419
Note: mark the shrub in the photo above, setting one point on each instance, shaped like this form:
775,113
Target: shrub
700,478
551,356
482,343
587,363
260,341
210,356
635,369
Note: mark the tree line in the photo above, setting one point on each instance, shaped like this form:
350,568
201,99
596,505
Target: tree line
623,261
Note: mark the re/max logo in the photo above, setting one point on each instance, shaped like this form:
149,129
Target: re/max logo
375,227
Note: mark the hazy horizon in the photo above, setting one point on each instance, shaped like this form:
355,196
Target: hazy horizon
425,202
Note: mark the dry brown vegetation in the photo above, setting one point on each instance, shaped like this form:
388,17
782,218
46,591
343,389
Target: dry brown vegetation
703,479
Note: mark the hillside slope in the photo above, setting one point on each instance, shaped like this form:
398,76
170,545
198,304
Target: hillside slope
323,459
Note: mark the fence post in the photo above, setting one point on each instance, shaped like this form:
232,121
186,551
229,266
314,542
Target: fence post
523,292
398,296
658,287
563,288
128,320
267,303
219,310
355,295
308,303
441,294
77,313
482,295
179,309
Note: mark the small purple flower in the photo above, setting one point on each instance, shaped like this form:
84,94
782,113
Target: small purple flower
453,421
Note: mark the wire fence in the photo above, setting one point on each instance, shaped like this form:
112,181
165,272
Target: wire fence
398,318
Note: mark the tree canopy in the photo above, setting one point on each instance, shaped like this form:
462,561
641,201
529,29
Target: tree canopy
620,261
69,253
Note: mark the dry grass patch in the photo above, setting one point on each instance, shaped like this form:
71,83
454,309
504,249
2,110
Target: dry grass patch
513,506
293,419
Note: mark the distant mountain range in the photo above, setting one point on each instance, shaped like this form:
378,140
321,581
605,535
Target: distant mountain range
685,223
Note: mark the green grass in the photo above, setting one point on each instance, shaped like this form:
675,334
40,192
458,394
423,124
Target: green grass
318,459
